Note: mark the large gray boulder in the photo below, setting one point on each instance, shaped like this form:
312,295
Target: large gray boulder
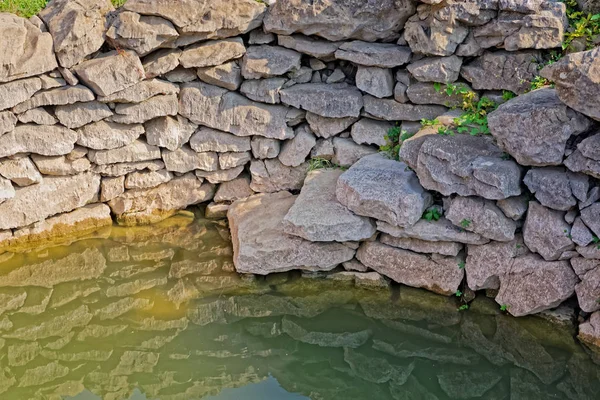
260,245
436,273
383,189
77,28
546,232
31,138
577,81
333,101
26,50
142,34
220,109
556,187
318,216
378,82
340,19
111,72
347,152
534,128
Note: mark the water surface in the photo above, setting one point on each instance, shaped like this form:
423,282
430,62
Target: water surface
158,313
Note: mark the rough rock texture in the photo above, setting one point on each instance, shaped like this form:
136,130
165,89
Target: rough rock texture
228,76
260,245
108,135
436,69
557,188
382,55
588,290
15,92
141,34
45,140
391,110
589,332
270,176
294,152
133,152
378,82
169,132
422,246
441,230
319,217
111,72
211,53
368,131
269,61
57,96
332,101
546,232
534,128
586,157
383,189
20,170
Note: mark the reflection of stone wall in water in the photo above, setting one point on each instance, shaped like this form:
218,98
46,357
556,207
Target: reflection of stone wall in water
157,107
160,310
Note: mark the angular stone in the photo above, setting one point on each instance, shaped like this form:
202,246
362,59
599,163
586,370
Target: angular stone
369,131
269,61
134,152
59,96
104,135
216,211
228,76
220,175
111,72
125,168
432,231
532,285
294,152
182,75
206,139
169,132
15,92
368,22
270,176
589,332
8,121
260,245
553,187
514,207
77,28
383,189
534,128
347,152
327,127
422,246
586,157
233,159
436,69
333,101
141,34
141,91
435,30
263,90
147,180
20,170
382,55
480,216
143,206
7,191
588,290
320,49
577,81
77,115
60,165
236,189
27,51
157,106
44,140
378,82
161,62
546,232
53,195
318,216
590,216
580,233
264,148
436,273
211,53
217,108
111,188
258,36
38,116
391,110
185,160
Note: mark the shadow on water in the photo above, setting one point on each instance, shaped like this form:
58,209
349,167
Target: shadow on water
158,313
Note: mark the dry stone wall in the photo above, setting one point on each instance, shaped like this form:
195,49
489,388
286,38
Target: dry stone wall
135,113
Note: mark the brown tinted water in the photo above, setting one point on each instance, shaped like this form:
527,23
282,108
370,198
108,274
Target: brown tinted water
157,313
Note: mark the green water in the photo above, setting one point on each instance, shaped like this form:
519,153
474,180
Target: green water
157,313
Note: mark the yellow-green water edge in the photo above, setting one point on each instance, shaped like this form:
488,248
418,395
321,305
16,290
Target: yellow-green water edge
157,312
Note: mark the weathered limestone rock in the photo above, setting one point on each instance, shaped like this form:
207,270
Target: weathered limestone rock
369,131
580,233
263,90
269,61
327,127
217,108
133,152
8,121
577,81
391,110
432,231
436,273
294,152
185,160
588,290
589,332
79,114
480,216
220,175
169,132
382,55
586,157
228,76
38,116
27,51
161,62
234,159
216,211
422,246
206,139
590,216
347,152
45,140
383,189
318,216
270,176
435,31
141,91
378,82
320,49
503,70
557,188
532,285
546,232
436,69
7,191
182,75
514,207
141,34
157,106
366,22
211,53
125,168
53,195
15,92
77,28
111,188
143,206
147,179
104,135
60,165
462,164
260,245
236,189
265,148
111,72
20,170
201,20
57,96
332,101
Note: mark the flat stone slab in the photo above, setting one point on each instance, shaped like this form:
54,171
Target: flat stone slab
327,100
318,216
260,245
441,230
546,232
480,216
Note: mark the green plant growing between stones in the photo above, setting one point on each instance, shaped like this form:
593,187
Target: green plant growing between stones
429,122
465,223
322,163
393,140
504,307
464,307
29,8
584,28
432,215
507,95
461,265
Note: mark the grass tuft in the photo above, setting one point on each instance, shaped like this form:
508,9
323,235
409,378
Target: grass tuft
29,8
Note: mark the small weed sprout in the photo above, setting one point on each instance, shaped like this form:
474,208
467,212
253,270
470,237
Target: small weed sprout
393,141
432,215
465,223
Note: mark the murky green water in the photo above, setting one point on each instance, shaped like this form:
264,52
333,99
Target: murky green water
157,313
